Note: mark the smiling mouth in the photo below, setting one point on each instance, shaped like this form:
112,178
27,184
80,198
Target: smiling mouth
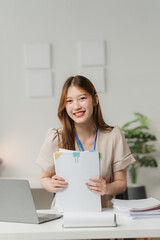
79,114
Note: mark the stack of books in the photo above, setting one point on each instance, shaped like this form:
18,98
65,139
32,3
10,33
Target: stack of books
139,208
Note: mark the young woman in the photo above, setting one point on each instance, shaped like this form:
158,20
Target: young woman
83,128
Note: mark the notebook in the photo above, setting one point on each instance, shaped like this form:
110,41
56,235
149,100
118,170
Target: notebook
17,205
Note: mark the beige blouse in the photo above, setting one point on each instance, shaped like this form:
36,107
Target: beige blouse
116,154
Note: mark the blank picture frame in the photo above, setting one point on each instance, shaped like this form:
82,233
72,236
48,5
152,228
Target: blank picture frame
39,83
92,53
37,55
96,75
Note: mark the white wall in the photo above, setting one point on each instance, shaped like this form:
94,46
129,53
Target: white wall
131,31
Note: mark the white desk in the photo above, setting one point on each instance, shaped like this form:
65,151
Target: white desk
54,230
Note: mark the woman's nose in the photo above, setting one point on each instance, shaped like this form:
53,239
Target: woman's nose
77,105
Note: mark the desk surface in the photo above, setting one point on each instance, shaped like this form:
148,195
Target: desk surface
126,228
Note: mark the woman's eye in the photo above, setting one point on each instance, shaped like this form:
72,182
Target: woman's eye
82,98
69,101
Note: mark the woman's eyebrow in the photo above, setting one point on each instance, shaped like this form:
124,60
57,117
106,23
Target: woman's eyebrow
83,94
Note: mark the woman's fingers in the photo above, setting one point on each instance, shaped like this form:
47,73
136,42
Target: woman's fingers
56,177
98,179
58,183
94,186
97,185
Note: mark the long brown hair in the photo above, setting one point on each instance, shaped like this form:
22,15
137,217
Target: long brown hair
67,139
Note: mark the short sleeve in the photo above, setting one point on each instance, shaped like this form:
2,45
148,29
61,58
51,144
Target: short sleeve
45,158
122,156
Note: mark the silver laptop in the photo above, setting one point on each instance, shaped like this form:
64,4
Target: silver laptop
17,205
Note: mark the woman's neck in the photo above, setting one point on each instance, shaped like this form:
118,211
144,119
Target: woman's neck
86,137
85,131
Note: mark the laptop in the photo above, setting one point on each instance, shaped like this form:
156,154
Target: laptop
17,205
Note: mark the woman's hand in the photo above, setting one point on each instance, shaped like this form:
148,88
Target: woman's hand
104,186
58,183
99,185
52,183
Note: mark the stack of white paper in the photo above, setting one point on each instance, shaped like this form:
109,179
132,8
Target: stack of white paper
89,219
77,168
140,208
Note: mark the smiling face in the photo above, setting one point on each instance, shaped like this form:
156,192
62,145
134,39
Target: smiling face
79,105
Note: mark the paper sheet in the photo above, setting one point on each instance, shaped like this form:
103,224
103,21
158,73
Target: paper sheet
138,204
77,171
89,219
